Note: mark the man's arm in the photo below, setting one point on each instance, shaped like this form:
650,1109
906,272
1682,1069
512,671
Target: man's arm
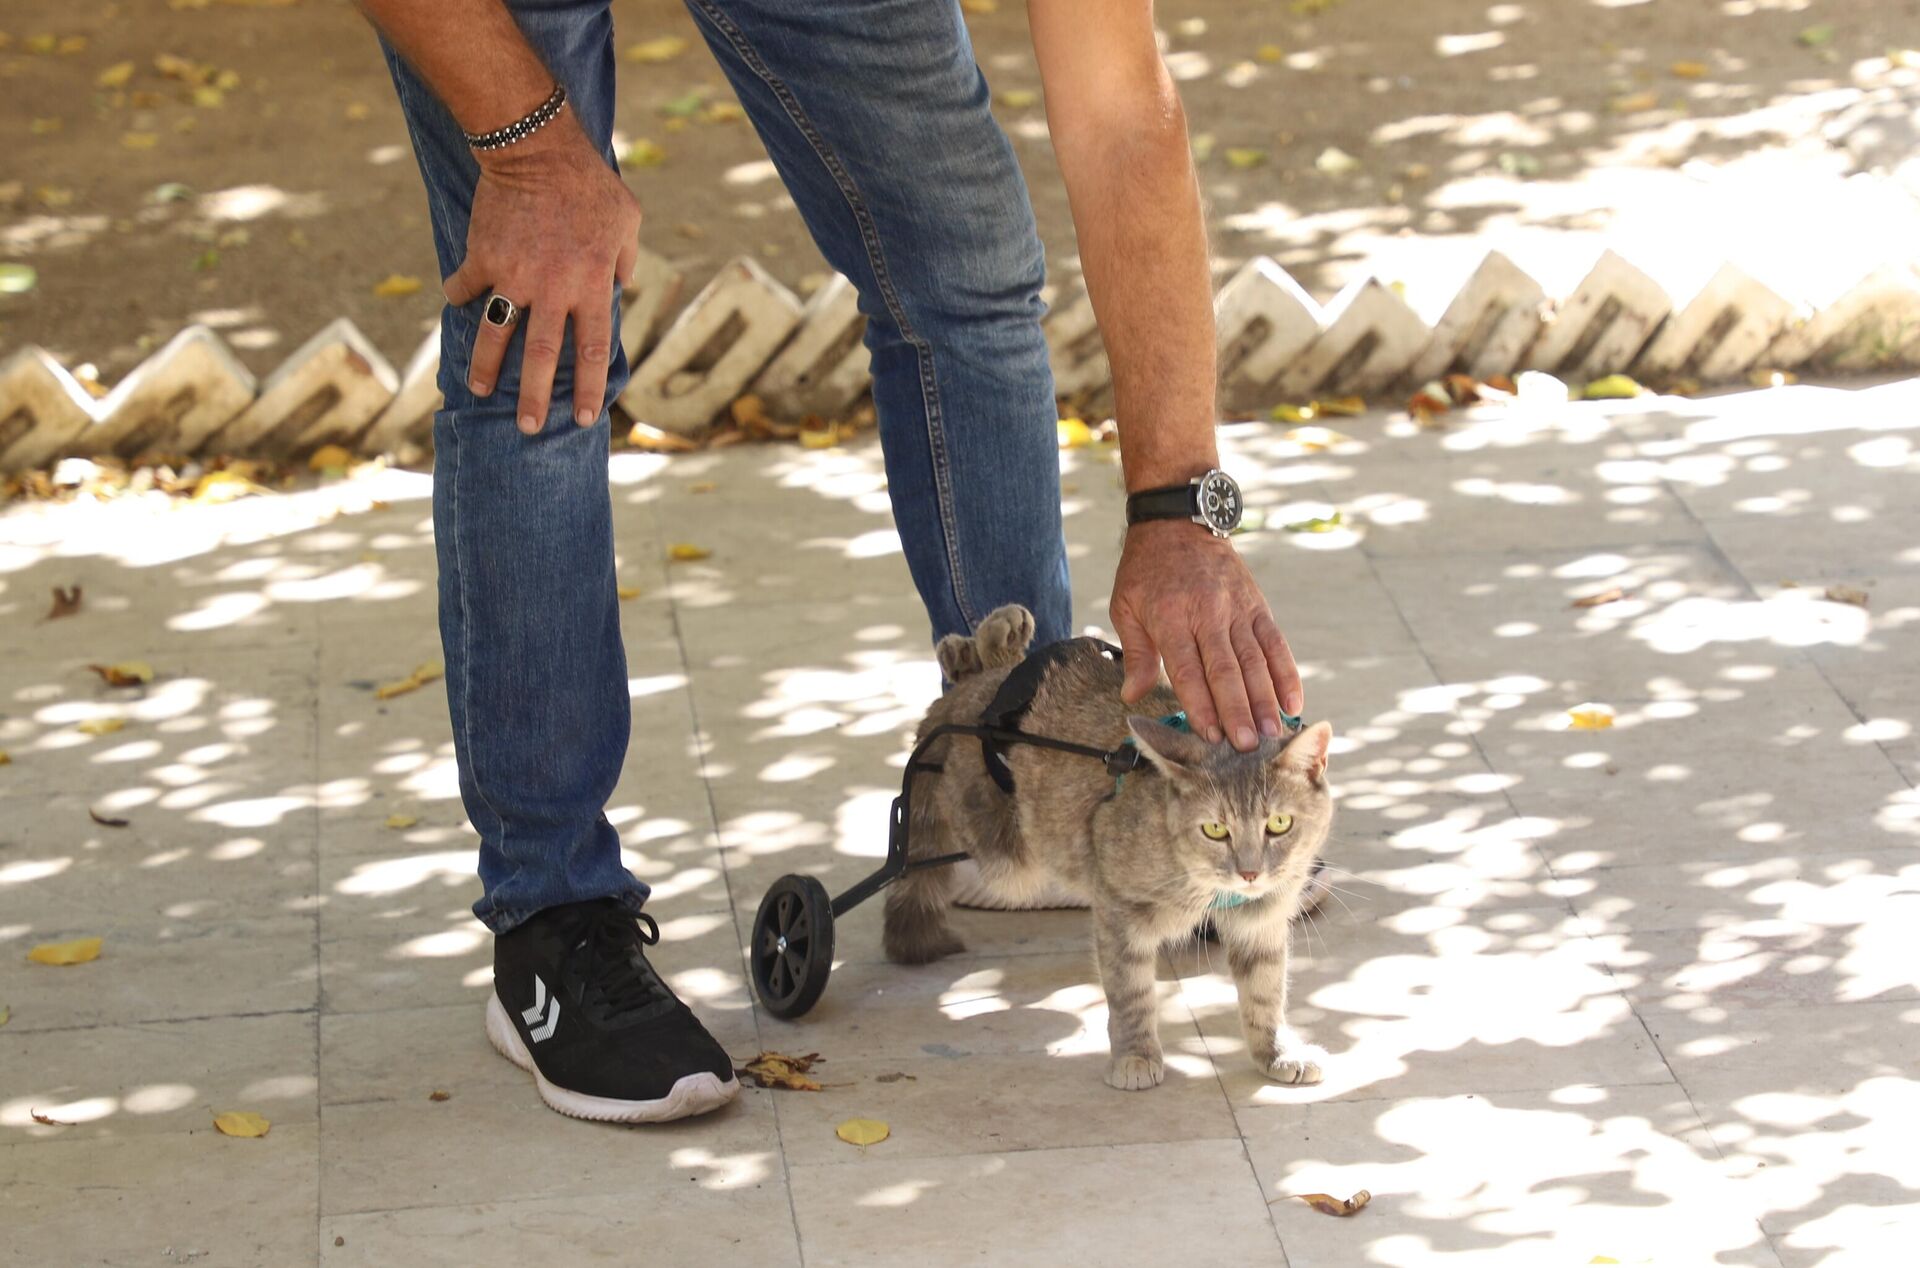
553,228
1181,595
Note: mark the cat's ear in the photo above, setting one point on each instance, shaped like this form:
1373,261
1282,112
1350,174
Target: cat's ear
1174,752
1306,753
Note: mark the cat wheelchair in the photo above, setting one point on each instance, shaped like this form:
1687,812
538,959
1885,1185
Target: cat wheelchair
790,953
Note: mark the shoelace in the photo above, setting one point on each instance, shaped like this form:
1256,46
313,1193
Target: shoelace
617,976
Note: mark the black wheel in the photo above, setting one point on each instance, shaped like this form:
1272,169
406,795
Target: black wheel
792,950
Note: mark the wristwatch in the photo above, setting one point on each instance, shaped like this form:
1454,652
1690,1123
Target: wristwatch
1211,501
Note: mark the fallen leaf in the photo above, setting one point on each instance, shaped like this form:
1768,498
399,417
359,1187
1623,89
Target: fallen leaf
980,6
75,951
101,726
723,112
895,1077
1316,439
6,759
662,48
128,673
1269,53
358,112
776,1069
38,1117
651,439
1294,413
1605,596
396,286
1018,98
437,1095
1689,70
139,140
420,677
685,104
644,153
685,553
18,279
1635,103
1245,158
105,821
330,458
1590,717
115,76
1335,161
6,1014
1327,1204
628,592
862,1131
1318,524
1341,407
1203,143
243,1123
1073,433
1612,387
1847,594
226,485
66,601
401,821
819,437
1819,35
1772,378
702,486
1500,383
1518,163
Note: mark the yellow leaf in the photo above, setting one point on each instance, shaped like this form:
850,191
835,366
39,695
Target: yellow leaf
78,951
71,44
43,127
329,458
1319,524
723,112
420,677
778,1070
127,673
1341,407
661,49
702,486
243,1123
396,285
6,758
1327,1204
1074,434
1269,53
224,486
1316,439
1294,413
862,1131
101,726
1772,378
1335,161
1018,98
1612,387
1634,103
139,140
1689,70
644,153
401,821
358,111
1245,158
6,1014
1603,1259
116,75
980,6
683,553
628,592
1590,717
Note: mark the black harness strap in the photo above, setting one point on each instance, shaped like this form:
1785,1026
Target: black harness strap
1001,717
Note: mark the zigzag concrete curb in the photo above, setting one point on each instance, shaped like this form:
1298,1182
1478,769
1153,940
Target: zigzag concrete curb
744,332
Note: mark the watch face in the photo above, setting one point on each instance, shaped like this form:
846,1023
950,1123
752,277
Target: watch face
1219,499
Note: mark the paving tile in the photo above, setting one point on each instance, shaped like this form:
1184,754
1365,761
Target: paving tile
727,1219
121,1081
173,1197
1552,1176
870,1210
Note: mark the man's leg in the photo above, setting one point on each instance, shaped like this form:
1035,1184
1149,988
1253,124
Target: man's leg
529,617
880,124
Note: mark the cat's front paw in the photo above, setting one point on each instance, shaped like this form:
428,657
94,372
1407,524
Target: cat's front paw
1297,1065
1135,1073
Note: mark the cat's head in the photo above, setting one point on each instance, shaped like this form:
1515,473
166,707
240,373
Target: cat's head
1247,824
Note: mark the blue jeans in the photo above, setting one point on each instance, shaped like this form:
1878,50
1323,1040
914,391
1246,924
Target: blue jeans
878,120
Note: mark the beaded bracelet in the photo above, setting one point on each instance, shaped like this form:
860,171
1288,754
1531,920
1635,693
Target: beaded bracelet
521,129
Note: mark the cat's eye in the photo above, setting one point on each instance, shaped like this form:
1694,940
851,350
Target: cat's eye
1213,831
1278,825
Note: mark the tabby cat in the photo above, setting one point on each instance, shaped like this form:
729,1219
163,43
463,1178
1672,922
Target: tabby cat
1203,830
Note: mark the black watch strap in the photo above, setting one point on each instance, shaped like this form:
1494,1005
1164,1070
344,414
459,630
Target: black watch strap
1175,502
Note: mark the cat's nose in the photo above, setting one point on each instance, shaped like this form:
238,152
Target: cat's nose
1249,876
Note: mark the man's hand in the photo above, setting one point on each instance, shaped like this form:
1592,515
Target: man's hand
1186,597
553,229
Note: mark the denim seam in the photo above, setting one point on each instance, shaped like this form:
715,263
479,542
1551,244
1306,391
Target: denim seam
876,259
466,647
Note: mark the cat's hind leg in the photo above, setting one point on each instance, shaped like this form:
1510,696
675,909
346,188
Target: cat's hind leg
1257,941
914,928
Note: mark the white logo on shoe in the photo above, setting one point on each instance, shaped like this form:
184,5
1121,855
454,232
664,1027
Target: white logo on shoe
541,1003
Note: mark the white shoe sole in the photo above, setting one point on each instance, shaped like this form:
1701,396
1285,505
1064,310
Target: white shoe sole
692,1094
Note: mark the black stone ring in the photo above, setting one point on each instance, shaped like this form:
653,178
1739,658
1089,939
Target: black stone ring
501,311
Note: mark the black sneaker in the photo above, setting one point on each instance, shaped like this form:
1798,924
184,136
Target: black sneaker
576,1003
